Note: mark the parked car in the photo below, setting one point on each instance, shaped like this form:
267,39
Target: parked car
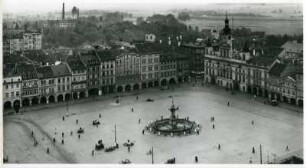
274,103
150,100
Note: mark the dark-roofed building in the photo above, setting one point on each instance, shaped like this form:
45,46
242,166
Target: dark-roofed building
127,72
243,70
107,70
183,67
46,85
92,64
12,43
62,77
168,69
78,78
32,40
196,53
274,80
150,64
29,87
12,83
292,50
292,85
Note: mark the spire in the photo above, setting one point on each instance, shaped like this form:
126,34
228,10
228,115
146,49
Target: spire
226,29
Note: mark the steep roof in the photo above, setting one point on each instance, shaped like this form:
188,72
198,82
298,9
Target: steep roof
10,70
44,72
147,47
294,46
277,69
90,58
261,61
107,55
27,71
75,63
293,70
60,70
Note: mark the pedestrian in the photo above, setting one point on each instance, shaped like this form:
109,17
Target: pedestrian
117,145
139,121
196,159
252,122
71,133
132,110
287,148
227,103
213,126
250,161
253,150
92,152
63,118
48,150
63,134
129,149
77,121
198,132
63,141
79,136
219,146
143,132
54,140
32,133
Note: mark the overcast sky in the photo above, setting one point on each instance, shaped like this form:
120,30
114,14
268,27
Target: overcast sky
39,6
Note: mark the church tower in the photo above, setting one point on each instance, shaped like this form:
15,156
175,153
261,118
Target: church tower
226,38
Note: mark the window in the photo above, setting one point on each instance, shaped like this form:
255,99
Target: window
12,94
58,80
63,87
6,86
59,88
67,79
63,80
6,95
17,93
150,60
68,87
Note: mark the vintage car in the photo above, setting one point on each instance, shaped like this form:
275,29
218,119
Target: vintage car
95,122
150,100
126,161
274,103
171,161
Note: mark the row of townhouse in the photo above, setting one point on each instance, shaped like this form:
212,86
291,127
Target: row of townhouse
92,73
30,85
260,74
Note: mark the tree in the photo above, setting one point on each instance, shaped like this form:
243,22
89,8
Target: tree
183,16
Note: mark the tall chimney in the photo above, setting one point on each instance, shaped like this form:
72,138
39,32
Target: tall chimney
63,12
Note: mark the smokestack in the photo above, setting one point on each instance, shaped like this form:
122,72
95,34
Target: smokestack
63,12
